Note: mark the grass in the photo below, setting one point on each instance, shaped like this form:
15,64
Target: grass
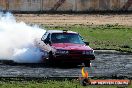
113,37
53,84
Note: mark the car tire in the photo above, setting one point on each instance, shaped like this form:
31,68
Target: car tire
88,63
50,61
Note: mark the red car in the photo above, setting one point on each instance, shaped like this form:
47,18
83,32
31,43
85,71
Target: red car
66,46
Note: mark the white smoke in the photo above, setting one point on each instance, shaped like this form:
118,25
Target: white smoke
17,40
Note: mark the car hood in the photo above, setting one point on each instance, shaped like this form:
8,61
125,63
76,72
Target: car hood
70,46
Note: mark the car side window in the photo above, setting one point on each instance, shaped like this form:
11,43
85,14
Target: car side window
48,38
44,36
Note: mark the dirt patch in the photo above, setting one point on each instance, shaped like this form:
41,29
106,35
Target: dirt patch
72,19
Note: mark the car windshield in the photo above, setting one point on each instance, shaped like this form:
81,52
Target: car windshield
66,38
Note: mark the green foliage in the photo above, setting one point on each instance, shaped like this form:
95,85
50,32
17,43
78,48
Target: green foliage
104,36
54,84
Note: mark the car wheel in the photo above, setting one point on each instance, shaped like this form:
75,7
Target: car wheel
49,60
88,63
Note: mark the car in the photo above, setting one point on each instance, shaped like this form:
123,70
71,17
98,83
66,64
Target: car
63,46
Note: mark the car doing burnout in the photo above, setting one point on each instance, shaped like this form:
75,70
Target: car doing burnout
67,46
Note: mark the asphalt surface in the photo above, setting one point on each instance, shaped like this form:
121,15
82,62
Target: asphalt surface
107,64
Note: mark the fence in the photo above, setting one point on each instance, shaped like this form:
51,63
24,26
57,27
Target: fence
66,5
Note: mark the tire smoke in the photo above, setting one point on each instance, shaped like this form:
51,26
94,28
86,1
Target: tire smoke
17,40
